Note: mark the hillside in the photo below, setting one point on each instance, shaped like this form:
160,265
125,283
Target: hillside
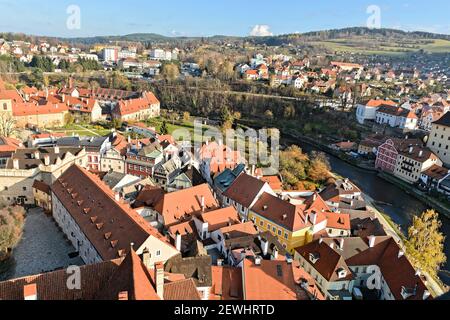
356,40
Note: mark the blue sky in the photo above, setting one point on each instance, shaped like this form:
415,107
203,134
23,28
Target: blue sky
212,17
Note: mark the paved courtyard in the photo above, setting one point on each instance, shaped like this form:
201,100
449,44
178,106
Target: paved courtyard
42,248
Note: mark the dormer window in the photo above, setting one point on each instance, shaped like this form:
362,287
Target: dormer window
408,292
342,273
314,257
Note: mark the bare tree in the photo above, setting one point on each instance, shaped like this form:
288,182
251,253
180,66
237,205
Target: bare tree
7,124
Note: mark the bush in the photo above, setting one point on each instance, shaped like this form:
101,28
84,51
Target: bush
11,228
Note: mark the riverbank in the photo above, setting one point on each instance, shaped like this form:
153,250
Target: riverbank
435,286
409,189
419,195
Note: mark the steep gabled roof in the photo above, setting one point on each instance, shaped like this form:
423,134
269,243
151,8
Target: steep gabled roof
244,189
108,224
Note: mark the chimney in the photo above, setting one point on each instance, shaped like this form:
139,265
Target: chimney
178,241
159,279
117,196
320,240
411,149
258,260
16,164
202,203
123,296
56,149
420,153
264,246
371,241
313,218
146,257
400,254
219,262
341,244
30,292
36,154
426,294
314,197
63,98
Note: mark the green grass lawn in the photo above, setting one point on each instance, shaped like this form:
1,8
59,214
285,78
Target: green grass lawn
82,130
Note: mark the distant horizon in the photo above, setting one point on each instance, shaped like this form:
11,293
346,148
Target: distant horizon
203,18
210,36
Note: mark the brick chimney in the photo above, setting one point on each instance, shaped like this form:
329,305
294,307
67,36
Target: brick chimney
159,279
30,292
36,154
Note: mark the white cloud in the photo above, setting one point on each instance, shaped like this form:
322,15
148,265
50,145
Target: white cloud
261,30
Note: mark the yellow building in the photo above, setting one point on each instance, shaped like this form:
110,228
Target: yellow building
294,222
42,195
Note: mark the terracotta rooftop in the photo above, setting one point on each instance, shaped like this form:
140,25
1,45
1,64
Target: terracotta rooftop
179,205
108,224
244,189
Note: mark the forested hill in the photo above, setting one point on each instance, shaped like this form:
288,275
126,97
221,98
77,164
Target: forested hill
337,35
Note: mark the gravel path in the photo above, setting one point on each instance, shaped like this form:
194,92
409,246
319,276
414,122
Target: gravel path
42,248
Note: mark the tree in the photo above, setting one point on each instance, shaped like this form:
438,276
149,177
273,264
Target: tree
425,244
69,119
11,227
7,124
186,116
164,130
227,118
289,112
319,168
170,71
268,114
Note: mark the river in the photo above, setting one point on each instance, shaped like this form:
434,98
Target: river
400,206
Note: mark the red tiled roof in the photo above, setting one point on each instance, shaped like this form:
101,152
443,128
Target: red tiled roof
226,283
244,189
178,205
109,225
220,218
135,105
271,280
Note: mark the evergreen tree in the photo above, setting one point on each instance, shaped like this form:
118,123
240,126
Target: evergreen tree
164,130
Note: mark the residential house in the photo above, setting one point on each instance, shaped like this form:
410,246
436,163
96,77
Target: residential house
294,222
396,117
367,110
412,161
436,178
388,152
339,265
343,194
42,195
439,138
244,192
